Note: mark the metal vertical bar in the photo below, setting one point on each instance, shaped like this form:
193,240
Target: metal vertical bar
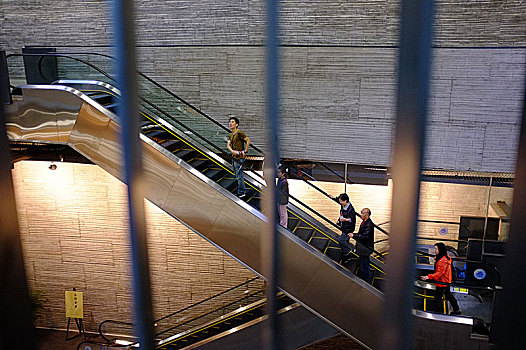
16,328
510,315
345,180
5,94
270,245
128,113
486,218
413,82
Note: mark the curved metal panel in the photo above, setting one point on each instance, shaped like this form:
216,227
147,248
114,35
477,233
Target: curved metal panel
109,155
12,120
46,113
299,328
86,134
160,174
192,201
239,231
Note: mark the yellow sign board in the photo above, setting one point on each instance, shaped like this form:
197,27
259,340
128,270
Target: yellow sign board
74,304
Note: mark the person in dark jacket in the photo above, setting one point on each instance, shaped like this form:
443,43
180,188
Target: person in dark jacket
442,274
347,223
283,196
364,244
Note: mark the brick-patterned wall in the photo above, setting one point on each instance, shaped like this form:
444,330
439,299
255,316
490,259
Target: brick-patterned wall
214,22
73,229
339,70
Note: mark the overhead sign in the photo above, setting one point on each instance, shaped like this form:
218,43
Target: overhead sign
74,304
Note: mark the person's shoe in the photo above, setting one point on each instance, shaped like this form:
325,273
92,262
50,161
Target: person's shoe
456,312
242,195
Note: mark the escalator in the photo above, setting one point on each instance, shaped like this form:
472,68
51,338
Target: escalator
189,177
231,319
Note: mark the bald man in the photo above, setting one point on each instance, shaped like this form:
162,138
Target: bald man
364,244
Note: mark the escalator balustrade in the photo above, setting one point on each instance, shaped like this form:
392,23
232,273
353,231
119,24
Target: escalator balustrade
324,241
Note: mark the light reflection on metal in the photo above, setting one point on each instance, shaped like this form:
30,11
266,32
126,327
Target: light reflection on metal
270,247
413,83
128,113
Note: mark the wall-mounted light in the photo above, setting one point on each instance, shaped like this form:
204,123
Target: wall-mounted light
53,166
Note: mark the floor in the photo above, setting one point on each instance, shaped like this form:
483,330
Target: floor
56,340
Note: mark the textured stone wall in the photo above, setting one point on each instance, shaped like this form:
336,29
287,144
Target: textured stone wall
212,22
338,70
74,234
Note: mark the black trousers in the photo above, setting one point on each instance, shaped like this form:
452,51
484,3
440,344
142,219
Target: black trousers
365,270
439,293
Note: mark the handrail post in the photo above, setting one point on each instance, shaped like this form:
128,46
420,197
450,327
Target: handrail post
345,180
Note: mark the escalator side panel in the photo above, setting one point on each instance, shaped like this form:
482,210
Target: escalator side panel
244,238
85,135
331,292
38,119
299,328
110,155
194,202
66,109
160,175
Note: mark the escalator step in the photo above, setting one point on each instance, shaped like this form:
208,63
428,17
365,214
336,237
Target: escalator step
319,241
174,145
198,162
228,183
334,251
212,173
293,222
112,107
255,202
170,144
304,233
185,153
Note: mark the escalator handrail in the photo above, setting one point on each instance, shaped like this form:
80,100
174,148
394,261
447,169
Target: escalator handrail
101,334
210,312
207,299
181,310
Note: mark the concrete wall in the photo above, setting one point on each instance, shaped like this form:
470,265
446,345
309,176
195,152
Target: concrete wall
73,229
339,70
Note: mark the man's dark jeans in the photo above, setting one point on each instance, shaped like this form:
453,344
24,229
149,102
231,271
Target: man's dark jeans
365,270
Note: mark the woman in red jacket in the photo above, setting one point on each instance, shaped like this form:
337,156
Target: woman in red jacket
442,274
